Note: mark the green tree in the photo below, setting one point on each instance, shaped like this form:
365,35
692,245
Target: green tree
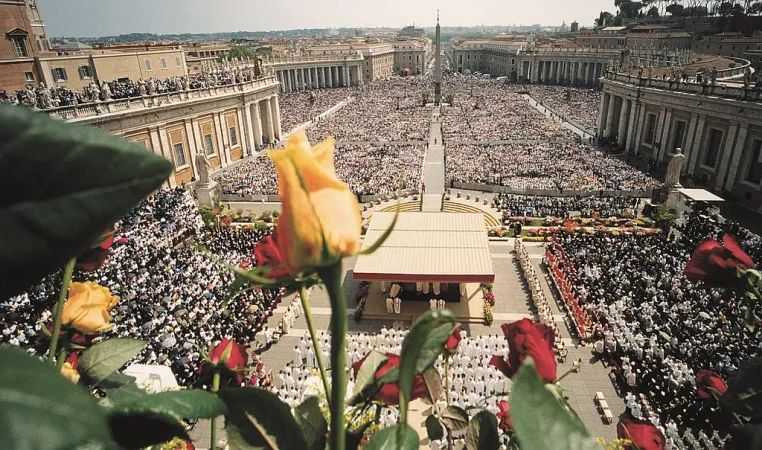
240,52
653,12
675,9
604,19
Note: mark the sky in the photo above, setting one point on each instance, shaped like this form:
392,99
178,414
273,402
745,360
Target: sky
91,18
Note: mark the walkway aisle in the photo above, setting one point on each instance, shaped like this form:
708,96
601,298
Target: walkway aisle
549,114
434,169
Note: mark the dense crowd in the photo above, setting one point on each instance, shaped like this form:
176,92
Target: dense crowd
538,206
297,108
579,105
543,166
171,294
656,328
368,169
486,110
385,110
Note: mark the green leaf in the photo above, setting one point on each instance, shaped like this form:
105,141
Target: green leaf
102,359
262,419
312,423
40,409
744,394
365,383
139,430
386,439
455,418
540,419
62,185
482,432
434,428
190,404
434,384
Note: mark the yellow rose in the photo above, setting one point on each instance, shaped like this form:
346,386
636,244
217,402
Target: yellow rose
68,371
87,307
321,219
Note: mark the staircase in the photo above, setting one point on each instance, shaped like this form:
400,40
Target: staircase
413,206
455,207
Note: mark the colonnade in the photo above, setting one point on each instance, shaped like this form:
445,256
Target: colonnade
585,73
262,121
307,78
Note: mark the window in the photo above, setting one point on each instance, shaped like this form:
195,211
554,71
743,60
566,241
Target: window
59,74
179,155
754,174
164,63
19,45
85,72
650,129
148,65
233,137
178,61
29,77
713,147
208,145
679,139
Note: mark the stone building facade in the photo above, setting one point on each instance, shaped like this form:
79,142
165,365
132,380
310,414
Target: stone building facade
718,128
411,54
319,71
226,123
18,47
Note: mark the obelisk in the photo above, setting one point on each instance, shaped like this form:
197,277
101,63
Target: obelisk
438,67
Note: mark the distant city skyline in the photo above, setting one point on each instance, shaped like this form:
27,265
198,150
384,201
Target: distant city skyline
92,18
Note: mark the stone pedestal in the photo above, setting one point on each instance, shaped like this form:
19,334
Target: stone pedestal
208,194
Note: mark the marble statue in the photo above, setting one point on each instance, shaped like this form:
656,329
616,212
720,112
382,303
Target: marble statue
675,167
203,166
186,83
141,88
151,86
106,91
43,97
650,70
95,92
30,97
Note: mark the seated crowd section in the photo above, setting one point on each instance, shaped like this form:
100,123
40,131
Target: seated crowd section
171,293
655,328
580,106
298,108
538,206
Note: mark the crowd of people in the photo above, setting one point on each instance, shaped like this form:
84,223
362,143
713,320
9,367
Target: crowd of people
539,206
581,106
547,166
368,169
171,295
383,111
486,110
297,108
475,385
653,326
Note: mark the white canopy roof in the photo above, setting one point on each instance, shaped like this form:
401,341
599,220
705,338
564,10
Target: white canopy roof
700,195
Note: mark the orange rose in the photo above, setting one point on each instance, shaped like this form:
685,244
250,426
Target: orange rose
87,308
69,368
321,218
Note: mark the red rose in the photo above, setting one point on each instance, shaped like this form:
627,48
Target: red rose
94,258
453,341
267,253
642,434
717,264
236,360
76,338
504,416
73,359
528,338
706,381
390,392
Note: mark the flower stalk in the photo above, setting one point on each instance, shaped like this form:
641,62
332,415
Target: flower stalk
303,295
58,310
331,276
215,388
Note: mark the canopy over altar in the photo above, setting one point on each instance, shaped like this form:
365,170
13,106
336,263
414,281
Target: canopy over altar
427,247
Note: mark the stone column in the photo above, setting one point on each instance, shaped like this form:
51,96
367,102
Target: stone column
697,143
309,79
605,99
268,120
623,118
585,75
736,158
329,83
608,132
639,127
725,156
634,111
275,111
251,143
222,137
241,138
336,80
559,71
664,141
346,76
256,124
688,149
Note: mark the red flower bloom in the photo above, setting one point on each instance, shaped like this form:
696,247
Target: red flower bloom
453,341
643,434
236,361
267,253
706,380
716,264
528,338
76,338
390,392
94,258
73,359
504,416
187,445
